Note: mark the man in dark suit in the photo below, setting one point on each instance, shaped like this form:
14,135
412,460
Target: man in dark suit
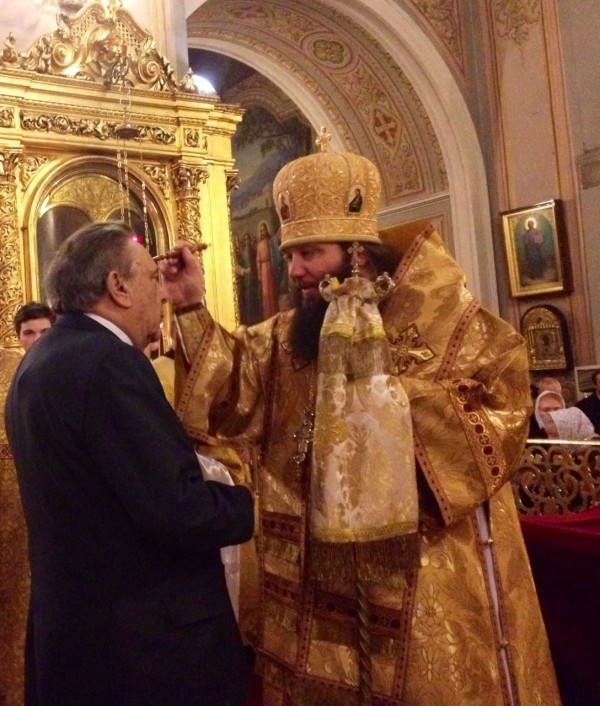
129,605
590,405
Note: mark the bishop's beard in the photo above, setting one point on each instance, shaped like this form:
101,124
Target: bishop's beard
309,315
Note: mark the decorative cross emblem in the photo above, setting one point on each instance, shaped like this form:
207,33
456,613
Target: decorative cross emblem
407,347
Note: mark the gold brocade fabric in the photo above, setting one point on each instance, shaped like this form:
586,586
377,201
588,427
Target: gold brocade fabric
165,369
434,638
14,564
363,480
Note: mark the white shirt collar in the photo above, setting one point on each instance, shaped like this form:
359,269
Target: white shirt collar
112,327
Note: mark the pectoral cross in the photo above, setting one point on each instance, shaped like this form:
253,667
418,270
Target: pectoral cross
355,249
304,436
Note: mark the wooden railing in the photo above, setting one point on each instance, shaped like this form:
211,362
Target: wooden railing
557,477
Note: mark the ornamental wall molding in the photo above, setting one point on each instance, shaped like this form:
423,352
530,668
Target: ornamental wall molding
30,164
7,116
444,19
377,134
107,114
187,178
159,174
514,18
99,129
242,39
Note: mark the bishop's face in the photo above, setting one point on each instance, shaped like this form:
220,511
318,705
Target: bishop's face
309,264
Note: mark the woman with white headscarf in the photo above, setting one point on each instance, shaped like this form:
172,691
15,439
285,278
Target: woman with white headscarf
547,401
570,424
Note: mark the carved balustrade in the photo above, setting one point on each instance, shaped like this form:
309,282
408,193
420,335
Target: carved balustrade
557,477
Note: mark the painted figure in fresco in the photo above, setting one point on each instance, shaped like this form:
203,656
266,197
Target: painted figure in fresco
280,270
266,273
247,280
242,275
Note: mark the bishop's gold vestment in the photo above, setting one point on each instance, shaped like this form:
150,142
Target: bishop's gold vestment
439,635
14,565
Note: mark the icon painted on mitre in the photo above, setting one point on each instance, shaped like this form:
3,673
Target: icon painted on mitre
284,208
356,200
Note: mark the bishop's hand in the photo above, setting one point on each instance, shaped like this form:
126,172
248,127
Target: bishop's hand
182,276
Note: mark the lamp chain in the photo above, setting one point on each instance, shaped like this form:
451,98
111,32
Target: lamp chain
124,104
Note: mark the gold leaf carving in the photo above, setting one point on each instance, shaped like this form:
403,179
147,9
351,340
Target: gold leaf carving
11,288
103,44
29,167
192,138
7,116
100,129
233,181
160,176
8,164
514,17
187,178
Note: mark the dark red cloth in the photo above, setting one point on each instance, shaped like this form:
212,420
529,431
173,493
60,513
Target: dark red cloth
564,551
255,693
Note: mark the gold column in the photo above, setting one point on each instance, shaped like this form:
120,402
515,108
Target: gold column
11,291
232,182
186,182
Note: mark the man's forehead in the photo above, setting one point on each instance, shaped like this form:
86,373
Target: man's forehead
37,321
140,254
317,245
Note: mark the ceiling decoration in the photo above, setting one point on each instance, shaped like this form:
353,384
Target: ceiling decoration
368,97
444,19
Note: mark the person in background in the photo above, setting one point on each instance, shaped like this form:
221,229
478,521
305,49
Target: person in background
388,417
31,322
549,384
546,401
267,278
569,423
14,568
546,384
129,603
590,405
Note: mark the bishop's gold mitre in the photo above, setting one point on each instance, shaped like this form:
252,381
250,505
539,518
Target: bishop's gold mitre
327,197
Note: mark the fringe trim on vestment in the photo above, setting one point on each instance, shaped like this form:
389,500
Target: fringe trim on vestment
338,565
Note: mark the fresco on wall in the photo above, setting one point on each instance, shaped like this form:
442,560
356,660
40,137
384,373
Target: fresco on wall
261,147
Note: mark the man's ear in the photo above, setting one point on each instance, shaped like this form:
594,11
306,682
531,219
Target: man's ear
118,289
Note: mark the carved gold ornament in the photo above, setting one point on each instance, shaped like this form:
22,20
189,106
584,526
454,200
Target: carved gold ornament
100,44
